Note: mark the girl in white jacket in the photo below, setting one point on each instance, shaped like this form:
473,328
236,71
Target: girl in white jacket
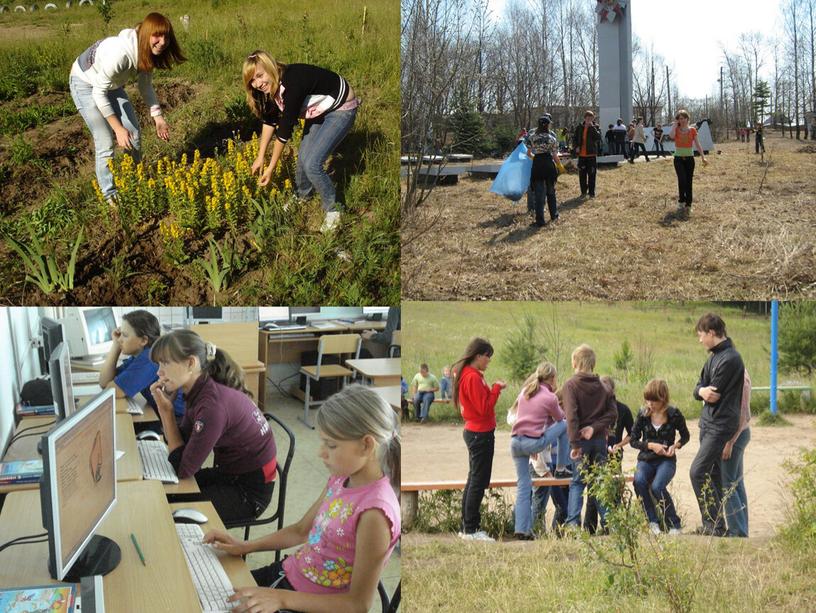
97,84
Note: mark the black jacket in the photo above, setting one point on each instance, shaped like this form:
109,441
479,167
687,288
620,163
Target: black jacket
593,139
644,433
725,371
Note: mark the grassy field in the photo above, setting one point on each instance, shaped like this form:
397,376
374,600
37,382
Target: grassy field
748,236
265,254
661,337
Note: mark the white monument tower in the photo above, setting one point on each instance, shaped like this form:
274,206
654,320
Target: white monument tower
615,61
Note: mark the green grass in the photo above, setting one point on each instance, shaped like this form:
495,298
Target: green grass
38,49
437,333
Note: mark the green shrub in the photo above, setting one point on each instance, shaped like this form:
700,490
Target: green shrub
797,337
523,350
801,530
206,54
441,512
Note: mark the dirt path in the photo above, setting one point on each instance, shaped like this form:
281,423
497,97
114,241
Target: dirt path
438,452
466,243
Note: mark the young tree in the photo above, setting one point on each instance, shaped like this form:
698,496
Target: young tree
762,94
797,337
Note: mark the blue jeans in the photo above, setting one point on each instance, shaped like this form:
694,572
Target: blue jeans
594,452
422,404
317,144
521,448
736,505
103,136
651,482
444,388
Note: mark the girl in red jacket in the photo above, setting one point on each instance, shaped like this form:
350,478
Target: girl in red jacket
476,402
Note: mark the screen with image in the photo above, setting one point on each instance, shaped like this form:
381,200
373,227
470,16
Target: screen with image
100,323
52,336
61,387
79,480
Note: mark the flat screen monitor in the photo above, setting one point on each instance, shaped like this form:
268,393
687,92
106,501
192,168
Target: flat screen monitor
78,490
51,332
61,385
206,314
294,311
372,310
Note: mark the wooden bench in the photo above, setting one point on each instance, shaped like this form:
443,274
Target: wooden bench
409,491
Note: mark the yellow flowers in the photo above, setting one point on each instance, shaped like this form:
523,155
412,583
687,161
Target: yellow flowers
198,195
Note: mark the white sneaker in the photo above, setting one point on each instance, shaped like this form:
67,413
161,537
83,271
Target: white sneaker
476,536
675,532
331,221
654,528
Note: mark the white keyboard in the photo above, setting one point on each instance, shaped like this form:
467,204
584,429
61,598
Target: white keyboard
209,577
155,464
136,405
84,377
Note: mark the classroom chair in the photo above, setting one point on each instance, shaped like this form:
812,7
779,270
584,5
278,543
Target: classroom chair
329,344
389,605
283,476
396,345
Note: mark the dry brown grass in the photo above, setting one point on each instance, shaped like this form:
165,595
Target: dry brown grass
740,242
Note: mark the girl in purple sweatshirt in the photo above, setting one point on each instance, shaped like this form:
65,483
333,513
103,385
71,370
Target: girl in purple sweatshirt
221,418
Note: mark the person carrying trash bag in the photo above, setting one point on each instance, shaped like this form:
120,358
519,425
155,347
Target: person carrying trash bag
513,179
543,150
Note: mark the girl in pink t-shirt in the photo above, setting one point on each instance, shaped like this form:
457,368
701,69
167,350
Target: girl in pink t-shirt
350,531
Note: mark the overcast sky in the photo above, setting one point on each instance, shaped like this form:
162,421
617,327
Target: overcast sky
694,50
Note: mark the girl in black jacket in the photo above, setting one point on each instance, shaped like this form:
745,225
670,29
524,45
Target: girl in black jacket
654,434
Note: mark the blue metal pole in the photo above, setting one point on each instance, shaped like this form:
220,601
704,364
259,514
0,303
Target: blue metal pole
774,354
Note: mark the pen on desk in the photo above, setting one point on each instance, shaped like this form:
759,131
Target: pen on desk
138,549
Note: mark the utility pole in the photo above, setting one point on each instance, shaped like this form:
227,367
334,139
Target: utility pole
722,106
668,92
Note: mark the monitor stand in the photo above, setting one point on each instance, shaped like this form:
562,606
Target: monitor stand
100,557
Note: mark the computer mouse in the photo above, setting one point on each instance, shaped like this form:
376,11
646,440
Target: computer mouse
148,435
189,516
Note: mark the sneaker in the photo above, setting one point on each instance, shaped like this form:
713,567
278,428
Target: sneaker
481,535
520,536
654,528
423,420
331,221
535,224
675,532
563,474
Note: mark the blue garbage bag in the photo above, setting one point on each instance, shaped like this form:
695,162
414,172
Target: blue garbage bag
514,175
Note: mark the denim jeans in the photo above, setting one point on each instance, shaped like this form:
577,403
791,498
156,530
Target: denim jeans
444,388
480,466
422,404
521,448
594,452
103,136
706,479
736,504
318,142
651,485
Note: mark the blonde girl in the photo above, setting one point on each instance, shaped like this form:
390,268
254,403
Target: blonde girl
655,434
97,81
539,423
279,94
348,534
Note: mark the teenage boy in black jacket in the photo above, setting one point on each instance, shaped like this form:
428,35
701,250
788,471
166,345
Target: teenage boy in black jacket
720,388
587,142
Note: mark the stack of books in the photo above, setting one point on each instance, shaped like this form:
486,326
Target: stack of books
21,471
26,410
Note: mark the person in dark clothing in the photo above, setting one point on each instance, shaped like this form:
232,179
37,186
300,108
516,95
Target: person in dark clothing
586,142
220,418
379,342
759,139
615,444
591,412
655,435
279,95
620,137
657,133
720,388
543,150
610,140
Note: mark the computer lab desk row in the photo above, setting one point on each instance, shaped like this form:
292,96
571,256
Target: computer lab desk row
128,467
163,583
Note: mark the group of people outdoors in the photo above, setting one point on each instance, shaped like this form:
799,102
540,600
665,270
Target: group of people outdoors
205,408
545,147
561,431
278,94
422,391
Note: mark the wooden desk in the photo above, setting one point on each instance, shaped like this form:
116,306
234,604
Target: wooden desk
128,467
164,584
392,394
184,486
236,568
382,372
149,412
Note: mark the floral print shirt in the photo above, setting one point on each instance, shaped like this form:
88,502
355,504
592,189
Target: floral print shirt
324,565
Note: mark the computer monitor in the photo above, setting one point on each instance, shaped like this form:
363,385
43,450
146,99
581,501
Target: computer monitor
78,490
273,314
89,330
369,310
61,385
51,332
204,315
